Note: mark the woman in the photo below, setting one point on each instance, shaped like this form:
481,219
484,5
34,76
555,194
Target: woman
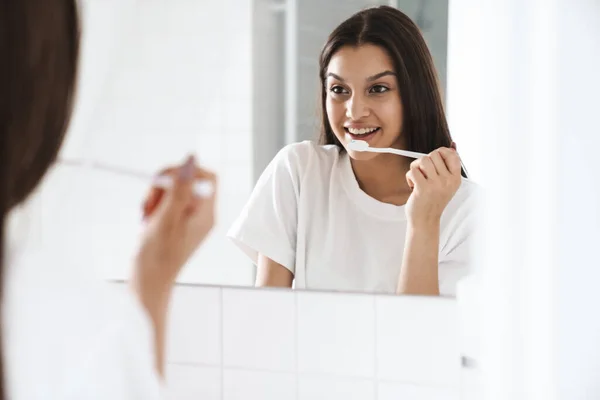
326,217
61,339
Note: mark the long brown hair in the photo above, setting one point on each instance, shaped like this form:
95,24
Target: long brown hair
39,49
424,127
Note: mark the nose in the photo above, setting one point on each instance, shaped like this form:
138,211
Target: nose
356,108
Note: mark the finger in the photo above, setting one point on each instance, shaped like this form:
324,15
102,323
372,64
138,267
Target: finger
438,162
155,194
451,159
410,180
178,199
203,173
415,174
206,201
426,166
152,201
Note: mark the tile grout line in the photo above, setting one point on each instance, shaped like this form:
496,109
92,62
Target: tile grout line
375,348
296,346
321,375
221,318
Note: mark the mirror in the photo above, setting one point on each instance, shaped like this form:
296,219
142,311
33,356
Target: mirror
236,85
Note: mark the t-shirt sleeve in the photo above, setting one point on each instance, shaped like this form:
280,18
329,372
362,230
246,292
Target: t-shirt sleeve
267,224
461,233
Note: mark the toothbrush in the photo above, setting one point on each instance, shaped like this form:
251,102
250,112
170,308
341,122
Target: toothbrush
202,188
361,145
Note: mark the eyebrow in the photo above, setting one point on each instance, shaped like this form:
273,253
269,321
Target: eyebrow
369,79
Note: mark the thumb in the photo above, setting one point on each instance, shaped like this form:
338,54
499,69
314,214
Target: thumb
178,198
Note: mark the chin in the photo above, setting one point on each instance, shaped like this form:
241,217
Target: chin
361,155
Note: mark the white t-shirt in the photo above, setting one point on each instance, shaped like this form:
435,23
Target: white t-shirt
308,213
66,335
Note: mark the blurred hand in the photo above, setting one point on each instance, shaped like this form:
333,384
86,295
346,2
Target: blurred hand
177,221
434,179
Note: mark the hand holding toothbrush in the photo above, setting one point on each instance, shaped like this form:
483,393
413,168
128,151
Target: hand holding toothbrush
178,218
434,179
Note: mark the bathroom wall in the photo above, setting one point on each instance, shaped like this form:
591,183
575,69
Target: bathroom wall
167,79
578,198
239,343
528,96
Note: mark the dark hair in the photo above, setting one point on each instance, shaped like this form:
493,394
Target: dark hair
39,48
424,127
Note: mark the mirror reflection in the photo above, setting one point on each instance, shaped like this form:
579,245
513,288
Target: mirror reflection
300,112
344,213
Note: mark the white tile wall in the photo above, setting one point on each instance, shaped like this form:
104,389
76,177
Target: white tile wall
245,384
178,81
418,340
330,388
195,326
240,343
259,329
188,382
336,334
397,391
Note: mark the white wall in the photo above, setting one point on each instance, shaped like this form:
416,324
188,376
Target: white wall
237,343
501,75
525,85
578,63
159,80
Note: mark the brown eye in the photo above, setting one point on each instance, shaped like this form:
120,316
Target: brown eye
379,89
338,90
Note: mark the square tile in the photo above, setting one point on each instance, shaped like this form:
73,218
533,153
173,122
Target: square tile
186,382
259,329
332,388
417,340
396,391
336,334
194,334
245,385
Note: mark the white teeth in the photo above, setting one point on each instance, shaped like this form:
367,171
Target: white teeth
363,131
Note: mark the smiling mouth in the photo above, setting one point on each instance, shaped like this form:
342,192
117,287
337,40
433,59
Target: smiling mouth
361,134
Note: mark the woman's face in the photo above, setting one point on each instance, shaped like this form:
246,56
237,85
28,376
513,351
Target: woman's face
363,101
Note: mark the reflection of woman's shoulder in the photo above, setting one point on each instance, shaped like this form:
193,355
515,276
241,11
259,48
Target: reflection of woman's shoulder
307,157
466,200
468,188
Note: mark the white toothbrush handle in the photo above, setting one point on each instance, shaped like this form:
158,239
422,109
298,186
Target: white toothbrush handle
202,188
405,153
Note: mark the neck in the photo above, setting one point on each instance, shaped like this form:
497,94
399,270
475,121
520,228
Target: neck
384,177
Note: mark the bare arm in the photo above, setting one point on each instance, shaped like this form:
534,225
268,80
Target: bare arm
156,304
434,178
177,221
272,274
419,273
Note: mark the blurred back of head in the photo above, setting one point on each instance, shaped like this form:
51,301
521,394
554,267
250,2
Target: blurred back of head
39,46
